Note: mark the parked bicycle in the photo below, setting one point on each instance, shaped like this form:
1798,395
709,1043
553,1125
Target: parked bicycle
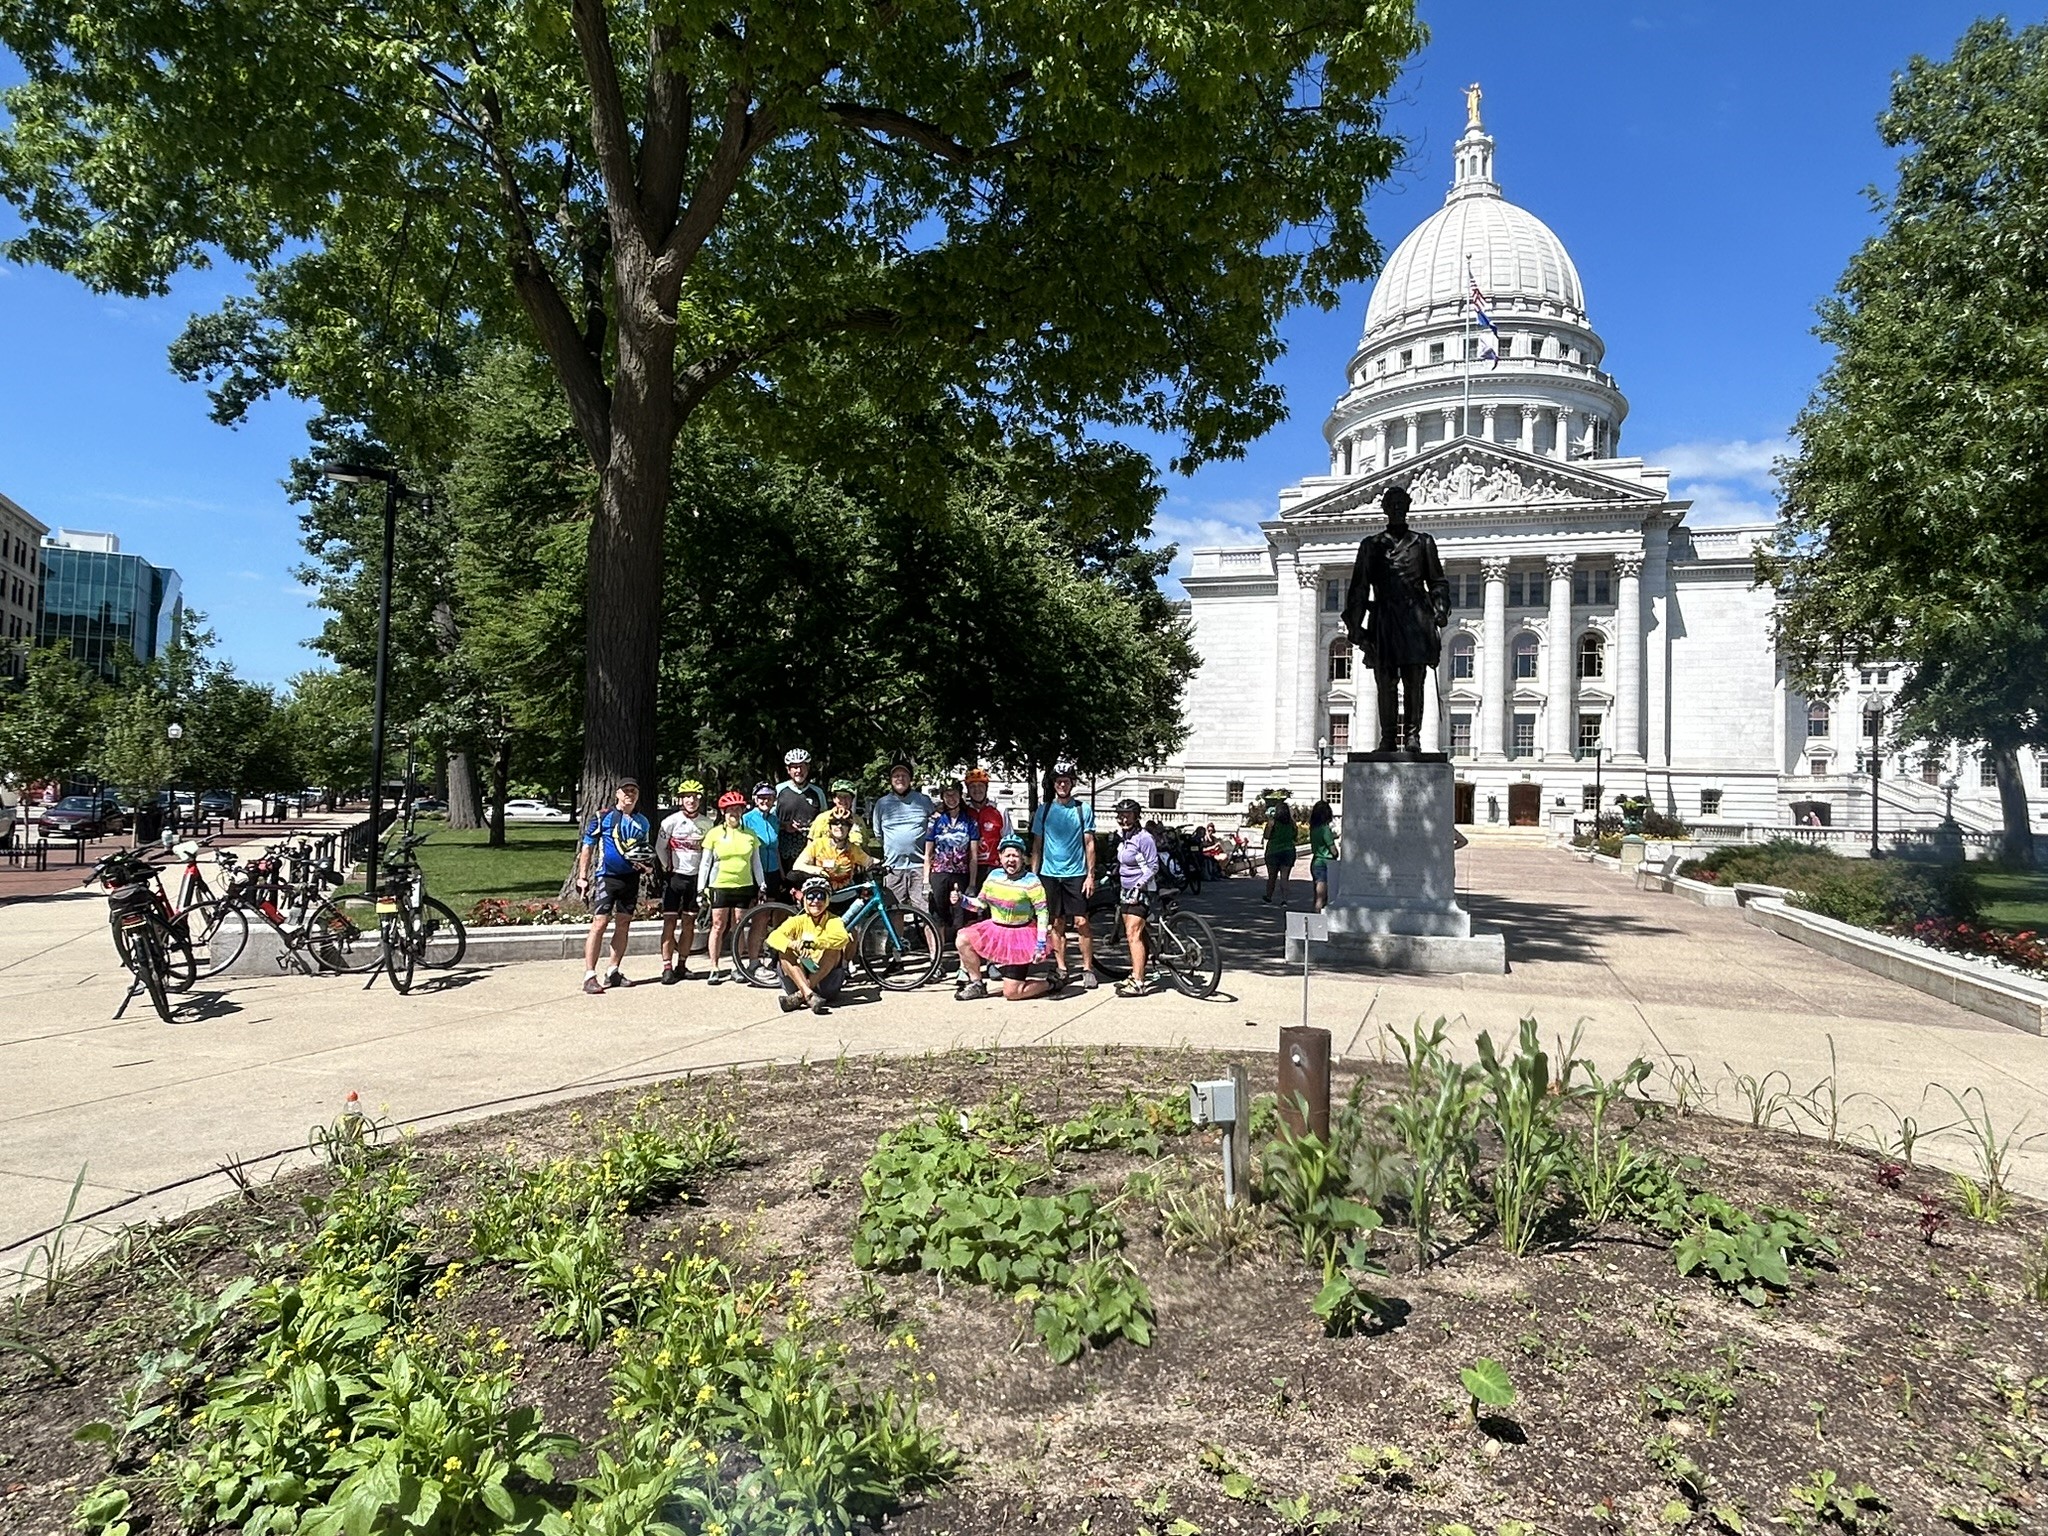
157,956
287,890
1179,943
414,928
896,947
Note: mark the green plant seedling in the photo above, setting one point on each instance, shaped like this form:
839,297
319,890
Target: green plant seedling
1486,1383
1823,1501
1519,1103
1385,1466
1986,1203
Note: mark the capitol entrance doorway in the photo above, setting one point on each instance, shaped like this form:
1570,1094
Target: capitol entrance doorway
1525,805
1461,812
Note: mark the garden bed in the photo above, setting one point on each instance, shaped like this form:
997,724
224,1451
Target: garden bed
670,1280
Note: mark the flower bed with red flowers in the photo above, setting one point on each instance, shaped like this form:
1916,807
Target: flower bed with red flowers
2023,951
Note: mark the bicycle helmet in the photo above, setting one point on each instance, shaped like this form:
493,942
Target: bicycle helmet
690,787
732,800
1065,771
818,887
1012,840
1128,804
763,788
977,776
950,785
794,756
845,787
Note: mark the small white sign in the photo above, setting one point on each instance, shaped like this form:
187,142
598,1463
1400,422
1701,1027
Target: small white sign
1307,926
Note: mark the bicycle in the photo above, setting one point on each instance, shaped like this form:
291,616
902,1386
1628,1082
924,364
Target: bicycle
1178,942
318,933
160,959
415,929
896,947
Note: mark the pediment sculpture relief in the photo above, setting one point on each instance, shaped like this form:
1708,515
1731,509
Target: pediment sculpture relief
1471,482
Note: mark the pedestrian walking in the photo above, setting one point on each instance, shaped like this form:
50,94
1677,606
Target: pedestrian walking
612,858
732,866
952,857
679,850
1322,851
1063,854
903,822
1281,838
1012,937
1137,878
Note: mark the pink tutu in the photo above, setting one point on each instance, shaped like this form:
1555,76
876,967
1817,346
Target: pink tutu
999,945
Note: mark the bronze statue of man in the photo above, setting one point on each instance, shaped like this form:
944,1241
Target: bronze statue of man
1395,613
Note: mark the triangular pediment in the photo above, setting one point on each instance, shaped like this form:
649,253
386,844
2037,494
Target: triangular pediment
1469,475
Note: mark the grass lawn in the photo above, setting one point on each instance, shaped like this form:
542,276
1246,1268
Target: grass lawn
2014,898
461,870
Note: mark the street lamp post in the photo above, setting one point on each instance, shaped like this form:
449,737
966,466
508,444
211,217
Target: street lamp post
1875,714
1599,787
1948,788
1322,764
175,733
371,474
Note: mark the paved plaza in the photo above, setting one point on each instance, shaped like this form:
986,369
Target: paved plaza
151,1111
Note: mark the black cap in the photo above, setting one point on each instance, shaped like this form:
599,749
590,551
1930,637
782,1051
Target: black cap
632,784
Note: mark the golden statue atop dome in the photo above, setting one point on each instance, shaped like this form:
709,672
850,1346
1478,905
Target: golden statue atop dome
1472,94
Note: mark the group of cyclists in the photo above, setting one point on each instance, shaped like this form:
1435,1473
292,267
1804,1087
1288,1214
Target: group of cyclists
1002,904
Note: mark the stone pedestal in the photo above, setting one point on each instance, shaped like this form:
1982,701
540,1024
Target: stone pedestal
1393,897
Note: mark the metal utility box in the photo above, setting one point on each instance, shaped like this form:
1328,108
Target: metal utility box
1213,1102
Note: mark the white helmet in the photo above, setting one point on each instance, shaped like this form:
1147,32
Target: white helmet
794,756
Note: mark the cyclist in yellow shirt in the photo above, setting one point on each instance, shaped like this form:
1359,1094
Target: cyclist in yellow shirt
835,856
810,949
732,876
844,793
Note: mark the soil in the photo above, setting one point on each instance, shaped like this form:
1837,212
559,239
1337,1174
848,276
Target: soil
1917,1367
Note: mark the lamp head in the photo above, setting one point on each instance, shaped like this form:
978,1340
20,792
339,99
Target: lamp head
350,473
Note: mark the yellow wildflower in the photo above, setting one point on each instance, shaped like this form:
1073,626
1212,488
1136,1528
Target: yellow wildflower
452,1464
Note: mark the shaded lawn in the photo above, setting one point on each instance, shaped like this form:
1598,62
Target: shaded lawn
461,870
2014,898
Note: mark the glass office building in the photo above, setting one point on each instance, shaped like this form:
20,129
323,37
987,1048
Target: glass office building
99,601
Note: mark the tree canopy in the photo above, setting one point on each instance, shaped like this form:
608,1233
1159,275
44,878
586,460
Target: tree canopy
1062,211
1916,505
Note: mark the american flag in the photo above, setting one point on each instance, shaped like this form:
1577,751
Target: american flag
1489,344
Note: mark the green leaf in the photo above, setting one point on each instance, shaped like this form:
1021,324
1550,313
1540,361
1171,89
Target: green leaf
1486,1381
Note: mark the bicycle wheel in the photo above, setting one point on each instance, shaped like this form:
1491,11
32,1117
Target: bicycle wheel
180,967
218,933
401,948
344,935
751,956
145,958
1184,946
443,939
898,948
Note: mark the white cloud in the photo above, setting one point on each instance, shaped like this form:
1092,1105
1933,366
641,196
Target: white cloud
1194,525
1739,460
1726,482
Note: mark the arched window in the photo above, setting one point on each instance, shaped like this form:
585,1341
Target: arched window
1592,654
1816,719
1340,659
1526,647
1463,649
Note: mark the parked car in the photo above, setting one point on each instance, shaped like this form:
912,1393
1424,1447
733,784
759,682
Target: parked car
84,816
218,802
427,805
534,810
10,817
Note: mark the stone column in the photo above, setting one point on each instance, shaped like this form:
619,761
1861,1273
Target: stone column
1383,432
1528,428
1493,660
1313,663
1289,600
1561,447
1628,658
1486,423
1657,644
1562,718
1432,704
1414,422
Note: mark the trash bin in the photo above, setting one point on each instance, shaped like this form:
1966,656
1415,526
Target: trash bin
149,822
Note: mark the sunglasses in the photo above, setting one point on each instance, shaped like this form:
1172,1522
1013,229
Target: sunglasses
809,899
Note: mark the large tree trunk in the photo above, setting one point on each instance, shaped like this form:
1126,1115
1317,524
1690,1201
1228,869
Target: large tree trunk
2012,804
465,807
623,585
501,778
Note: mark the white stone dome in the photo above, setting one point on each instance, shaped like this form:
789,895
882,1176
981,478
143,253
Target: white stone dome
1515,258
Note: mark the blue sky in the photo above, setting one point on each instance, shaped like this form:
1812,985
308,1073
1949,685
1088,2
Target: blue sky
1703,163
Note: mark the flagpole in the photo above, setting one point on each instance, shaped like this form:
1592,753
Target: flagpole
1465,359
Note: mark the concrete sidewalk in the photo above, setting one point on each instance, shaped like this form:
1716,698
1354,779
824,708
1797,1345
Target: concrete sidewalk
152,1110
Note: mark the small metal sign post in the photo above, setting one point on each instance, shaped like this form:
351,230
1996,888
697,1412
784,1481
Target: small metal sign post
1308,927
